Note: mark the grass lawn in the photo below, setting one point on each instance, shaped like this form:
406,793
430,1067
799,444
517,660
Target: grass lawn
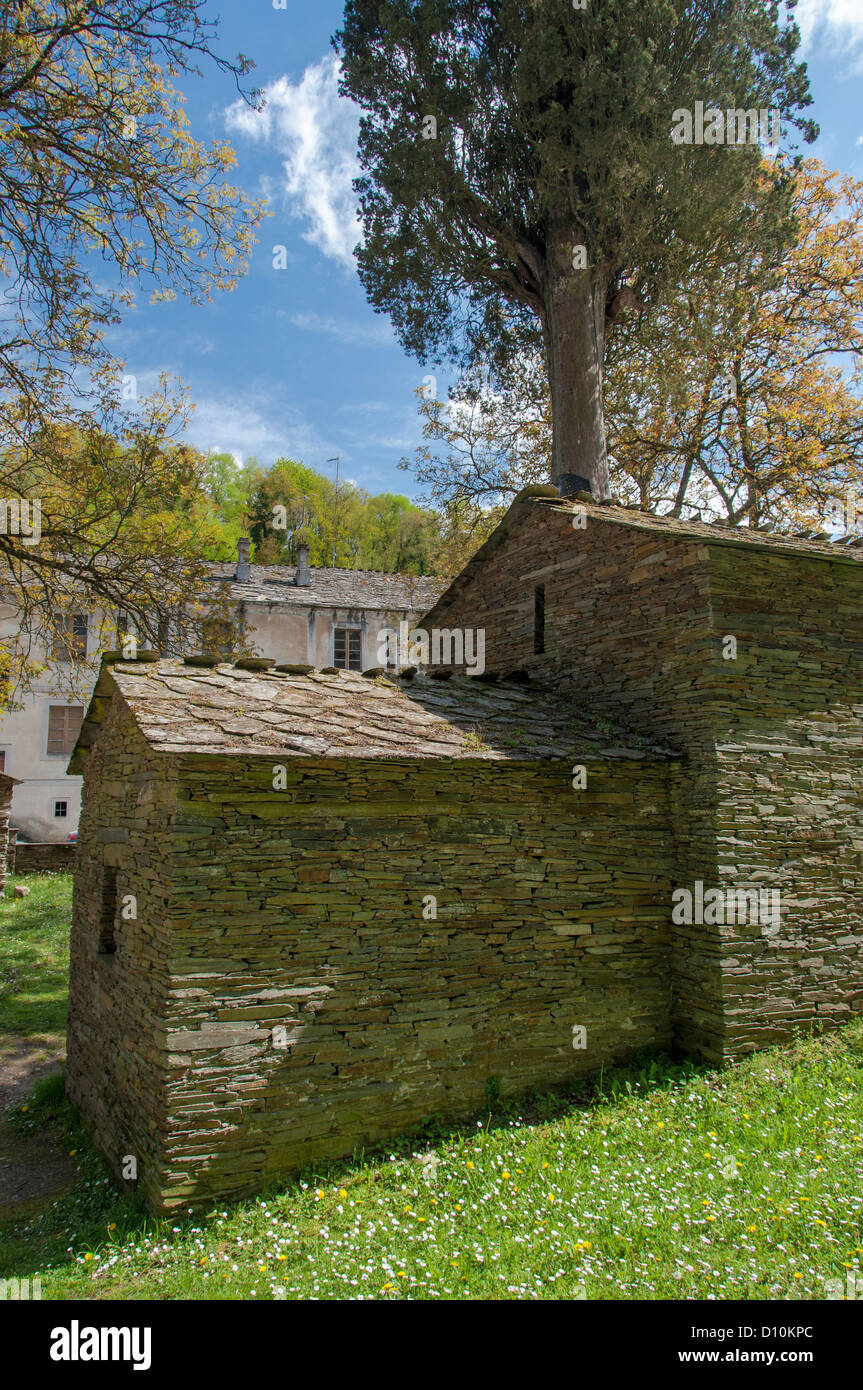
659,1182
34,956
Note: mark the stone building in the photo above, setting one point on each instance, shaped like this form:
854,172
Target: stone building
744,650
326,617
329,617
6,787
312,908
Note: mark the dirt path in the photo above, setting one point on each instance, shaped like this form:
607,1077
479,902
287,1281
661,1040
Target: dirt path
33,1169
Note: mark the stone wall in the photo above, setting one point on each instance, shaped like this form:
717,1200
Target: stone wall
788,717
116,1067
627,628
45,858
5,811
295,917
768,793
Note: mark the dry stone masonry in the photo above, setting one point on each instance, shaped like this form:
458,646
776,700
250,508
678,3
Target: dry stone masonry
769,790
45,857
7,785
312,909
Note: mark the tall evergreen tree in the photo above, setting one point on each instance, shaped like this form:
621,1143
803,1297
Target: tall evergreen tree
527,160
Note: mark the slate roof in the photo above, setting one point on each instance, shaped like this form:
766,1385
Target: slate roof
332,588
850,550
841,552
181,708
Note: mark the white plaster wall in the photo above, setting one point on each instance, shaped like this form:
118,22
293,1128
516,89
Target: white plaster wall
24,740
302,635
307,636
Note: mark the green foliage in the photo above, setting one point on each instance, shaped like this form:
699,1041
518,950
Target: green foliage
553,130
49,1092
34,956
492,1091
537,106
103,189
99,168
290,504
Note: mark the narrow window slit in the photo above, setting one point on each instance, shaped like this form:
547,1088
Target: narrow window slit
539,620
108,915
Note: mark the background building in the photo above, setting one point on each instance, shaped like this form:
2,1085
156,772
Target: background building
321,617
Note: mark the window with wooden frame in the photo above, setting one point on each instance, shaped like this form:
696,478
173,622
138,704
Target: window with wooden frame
348,648
64,726
70,637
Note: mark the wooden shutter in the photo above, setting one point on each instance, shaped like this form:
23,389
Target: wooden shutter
64,725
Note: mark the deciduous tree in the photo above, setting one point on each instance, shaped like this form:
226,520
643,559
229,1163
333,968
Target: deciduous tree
741,400
102,188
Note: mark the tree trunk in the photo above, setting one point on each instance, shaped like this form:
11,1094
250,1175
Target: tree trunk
574,331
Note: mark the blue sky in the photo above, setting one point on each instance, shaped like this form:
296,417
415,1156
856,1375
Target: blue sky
294,362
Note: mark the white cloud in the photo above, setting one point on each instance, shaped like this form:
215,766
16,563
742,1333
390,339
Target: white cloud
366,407
365,334
256,429
832,26
316,131
394,441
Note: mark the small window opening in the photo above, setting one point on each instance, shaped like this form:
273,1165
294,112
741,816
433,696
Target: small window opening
108,914
347,648
61,810
539,620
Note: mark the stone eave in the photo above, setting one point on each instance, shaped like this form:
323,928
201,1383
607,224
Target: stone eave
222,711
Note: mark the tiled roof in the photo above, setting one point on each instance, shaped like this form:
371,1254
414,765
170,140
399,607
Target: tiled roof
335,588
181,708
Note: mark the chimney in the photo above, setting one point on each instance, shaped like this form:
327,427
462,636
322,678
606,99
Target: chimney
244,569
302,577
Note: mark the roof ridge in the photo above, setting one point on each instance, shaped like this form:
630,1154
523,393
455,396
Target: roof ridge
712,532
338,569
